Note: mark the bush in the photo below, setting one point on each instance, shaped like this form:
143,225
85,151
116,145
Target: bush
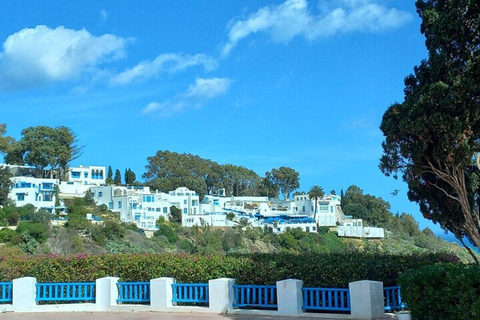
442,292
316,270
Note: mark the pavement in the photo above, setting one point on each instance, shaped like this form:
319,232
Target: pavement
148,316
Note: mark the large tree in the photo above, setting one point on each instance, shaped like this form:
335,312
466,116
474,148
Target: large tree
45,147
433,137
287,180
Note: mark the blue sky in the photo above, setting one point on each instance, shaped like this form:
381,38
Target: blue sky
261,84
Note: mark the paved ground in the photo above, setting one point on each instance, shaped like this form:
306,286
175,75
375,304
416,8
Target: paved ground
142,316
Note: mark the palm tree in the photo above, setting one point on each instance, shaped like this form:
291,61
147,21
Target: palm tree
315,193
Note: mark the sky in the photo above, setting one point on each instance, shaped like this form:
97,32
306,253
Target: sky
261,84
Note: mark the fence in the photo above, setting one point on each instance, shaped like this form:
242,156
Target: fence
326,299
190,293
66,292
393,298
133,292
5,292
249,296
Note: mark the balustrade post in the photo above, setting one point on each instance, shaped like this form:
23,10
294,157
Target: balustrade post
221,295
106,292
161,293
289,296
366,299
24,293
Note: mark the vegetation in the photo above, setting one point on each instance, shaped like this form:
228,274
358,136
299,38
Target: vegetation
315,193
446,292
433,137
331,270
169,170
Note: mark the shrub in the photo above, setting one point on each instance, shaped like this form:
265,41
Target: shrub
442,292
325,270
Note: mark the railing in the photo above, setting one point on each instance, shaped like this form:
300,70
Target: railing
393,298
133,292
5,292
82,291
190,293
328,299
255,296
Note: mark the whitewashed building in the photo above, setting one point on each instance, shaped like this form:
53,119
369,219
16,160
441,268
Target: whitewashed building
41,193
353,228
91,175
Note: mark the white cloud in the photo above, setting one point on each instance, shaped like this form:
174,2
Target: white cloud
34,57
167,62
195,96
104,15
293,18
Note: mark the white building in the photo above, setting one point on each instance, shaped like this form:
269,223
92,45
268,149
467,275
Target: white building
353,228
91,175
41,193
213,220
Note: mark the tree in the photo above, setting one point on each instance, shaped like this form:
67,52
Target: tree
129,176
287,180
109,179
5,141
268,187
315,193
5,185
117,180
43,147
175,215
433,137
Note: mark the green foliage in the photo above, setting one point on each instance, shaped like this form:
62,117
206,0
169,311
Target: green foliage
166,231
287,180
175,215
442,292
432,137
6,235
43,147
327,270
37,231
5,184
117,180
129,176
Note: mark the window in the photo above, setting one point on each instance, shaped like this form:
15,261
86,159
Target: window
185,210
100,194
85,174
119,204
303,209
20,196
331,209
47,197
323,207
110,205
307,229
185,201
165,210
75,174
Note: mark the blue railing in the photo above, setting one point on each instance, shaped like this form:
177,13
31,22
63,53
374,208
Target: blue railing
5,292
248,296
328,299
190,293
393,298
82,291
133,292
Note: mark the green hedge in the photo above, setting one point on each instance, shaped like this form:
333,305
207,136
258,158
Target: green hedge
442,292
328,270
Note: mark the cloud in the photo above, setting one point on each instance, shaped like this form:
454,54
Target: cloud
196,96
104,15
167,62
293,18
34,57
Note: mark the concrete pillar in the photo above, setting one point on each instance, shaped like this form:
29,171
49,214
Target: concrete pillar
221,295
366,299
106,292
161,293
24,293
289,296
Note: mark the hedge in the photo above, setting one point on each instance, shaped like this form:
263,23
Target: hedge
442,292
326,270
